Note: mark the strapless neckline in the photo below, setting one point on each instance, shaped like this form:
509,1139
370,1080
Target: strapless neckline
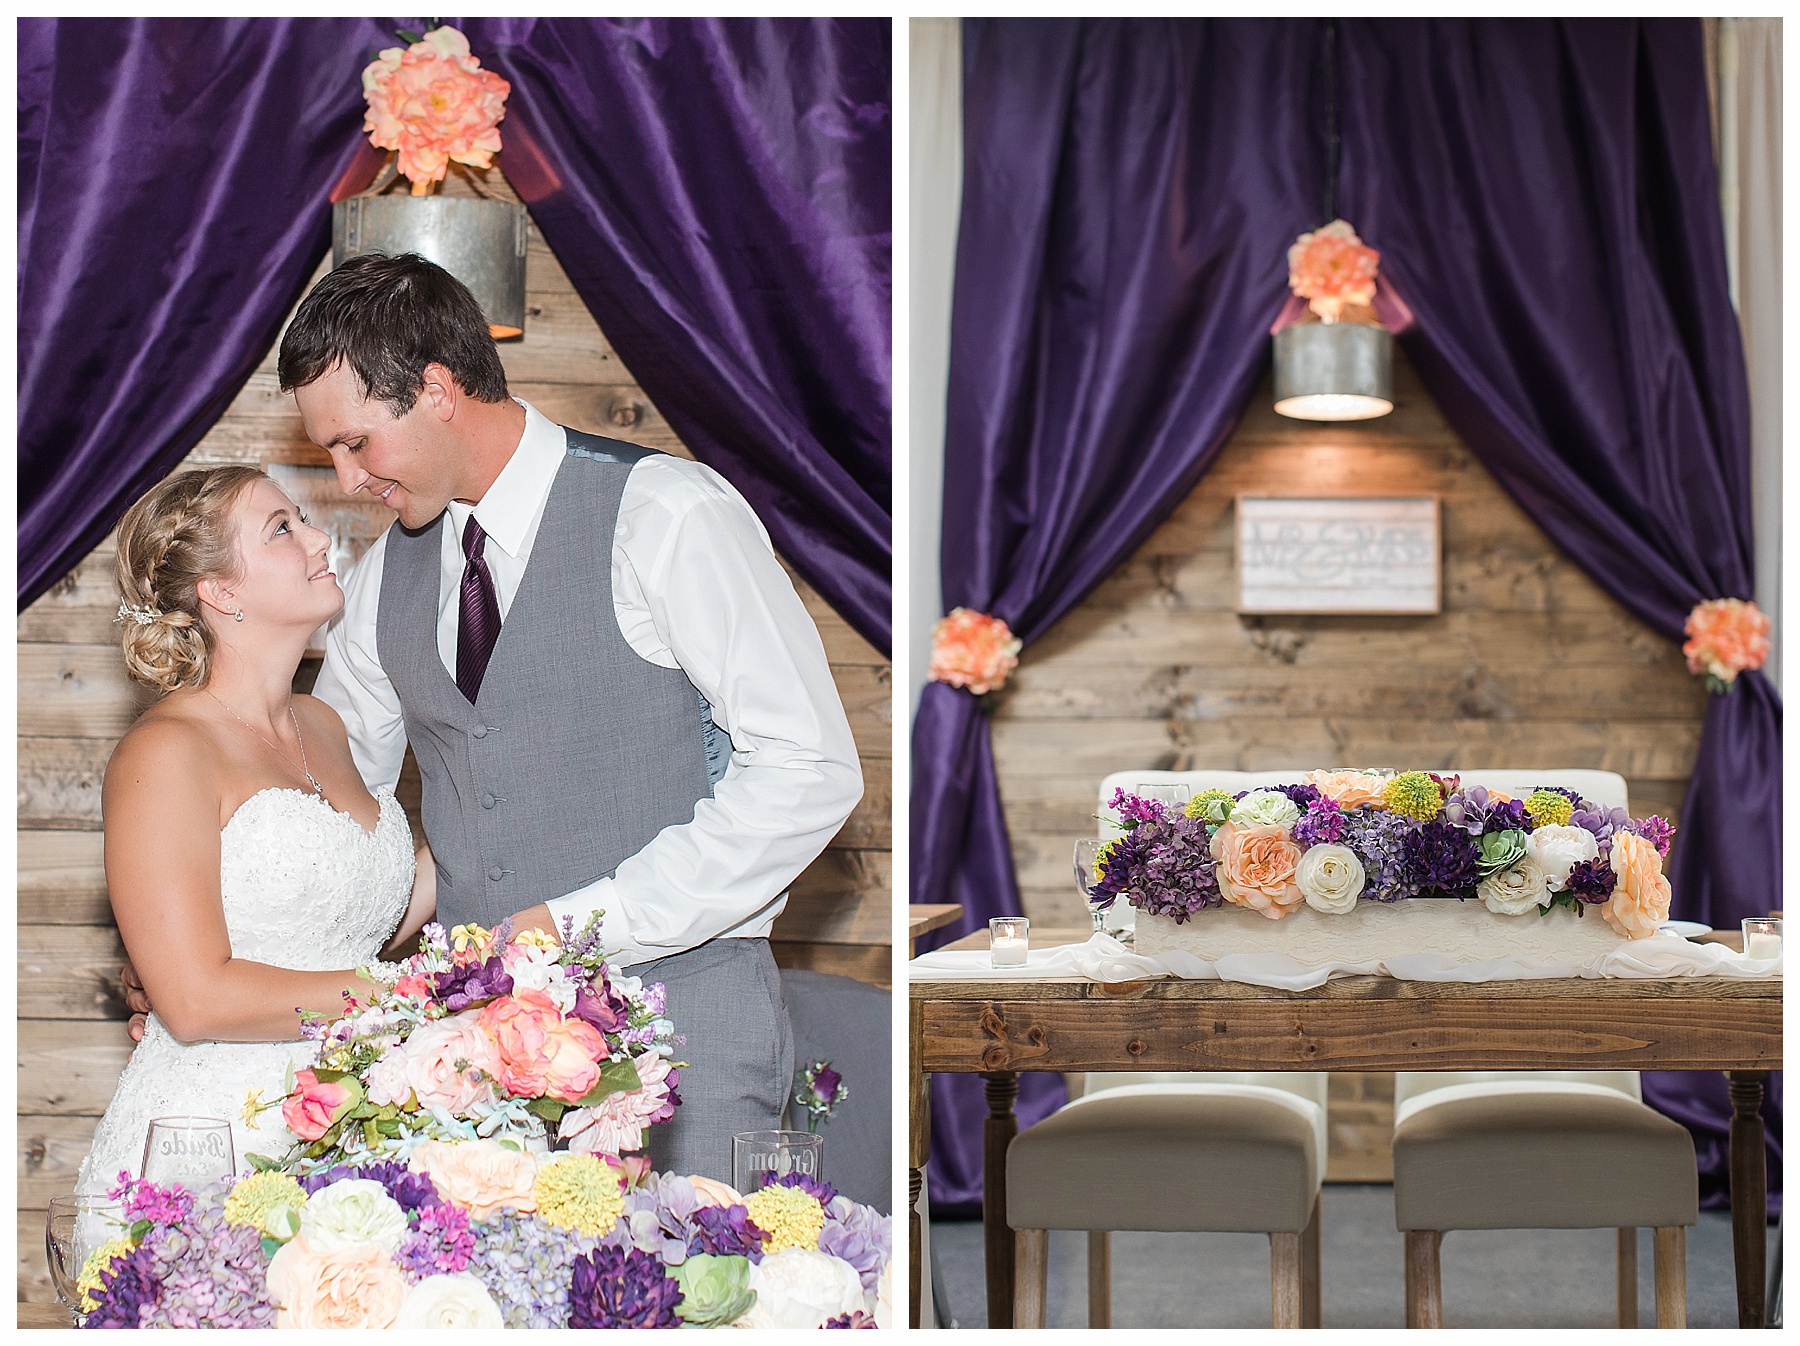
382,798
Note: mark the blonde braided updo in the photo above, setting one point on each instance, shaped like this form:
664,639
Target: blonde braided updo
179,533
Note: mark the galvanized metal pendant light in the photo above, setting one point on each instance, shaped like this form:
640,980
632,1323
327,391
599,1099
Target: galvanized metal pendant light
1330,370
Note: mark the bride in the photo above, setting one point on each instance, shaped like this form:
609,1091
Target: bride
250,871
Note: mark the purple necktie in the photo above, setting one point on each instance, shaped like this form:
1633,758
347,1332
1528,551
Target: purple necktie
478,618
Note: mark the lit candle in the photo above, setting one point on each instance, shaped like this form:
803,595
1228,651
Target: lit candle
1009,939
1762,937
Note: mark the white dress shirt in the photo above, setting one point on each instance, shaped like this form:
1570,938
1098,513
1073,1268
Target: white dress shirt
696,586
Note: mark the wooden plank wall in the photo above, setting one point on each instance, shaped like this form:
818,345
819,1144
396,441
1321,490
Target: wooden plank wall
75,699
1529,664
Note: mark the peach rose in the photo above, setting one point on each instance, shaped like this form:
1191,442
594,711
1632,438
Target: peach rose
1331,267
973,650
1640,896
357,1286
1350,789
522,1026
434,103
315,1104
440,1057
482,1176
1256,867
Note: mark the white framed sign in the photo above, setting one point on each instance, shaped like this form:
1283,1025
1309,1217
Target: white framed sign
1342,554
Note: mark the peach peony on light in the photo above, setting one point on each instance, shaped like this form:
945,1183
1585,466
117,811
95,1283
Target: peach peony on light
1725,637
974,650
356,1286
434,103
1640,895
1332,267
1256,869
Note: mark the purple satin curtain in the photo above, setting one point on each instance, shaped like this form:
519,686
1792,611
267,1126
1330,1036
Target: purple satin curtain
1129,190
173,176
1544,197
718,192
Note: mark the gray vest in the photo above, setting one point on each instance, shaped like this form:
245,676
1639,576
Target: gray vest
578,751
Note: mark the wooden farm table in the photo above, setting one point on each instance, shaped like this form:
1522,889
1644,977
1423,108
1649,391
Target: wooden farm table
999,1028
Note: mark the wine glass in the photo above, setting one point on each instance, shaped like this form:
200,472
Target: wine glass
1174,797
73,1227
1087,852
189,1150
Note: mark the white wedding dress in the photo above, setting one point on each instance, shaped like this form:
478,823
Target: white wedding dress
304,887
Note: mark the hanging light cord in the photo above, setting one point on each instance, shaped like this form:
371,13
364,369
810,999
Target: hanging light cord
1331,120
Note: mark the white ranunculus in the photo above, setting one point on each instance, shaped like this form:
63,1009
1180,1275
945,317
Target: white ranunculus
1518,891
1265,808
458,1300
1558,848
881,1302
801,1288
354,1210
387,1078
1331,878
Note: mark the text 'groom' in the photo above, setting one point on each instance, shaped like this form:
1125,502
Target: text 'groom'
615,697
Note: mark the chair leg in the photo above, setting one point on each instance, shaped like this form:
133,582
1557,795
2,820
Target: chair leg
1671,1276
1284,1280
1309,1271
1627,1277
1424,1286
1099,1278
1031,1258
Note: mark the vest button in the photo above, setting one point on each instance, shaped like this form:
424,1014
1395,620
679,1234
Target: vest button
480,731
487,801
495,873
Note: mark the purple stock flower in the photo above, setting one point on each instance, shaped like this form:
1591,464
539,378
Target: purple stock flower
471,983
1133,809
615,1287
1323,823
440,1243
1659,832
1443,857
1592,880
414,1191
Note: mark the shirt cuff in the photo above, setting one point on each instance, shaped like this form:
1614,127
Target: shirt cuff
615,933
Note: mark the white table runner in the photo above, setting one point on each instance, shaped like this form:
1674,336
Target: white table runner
1103,958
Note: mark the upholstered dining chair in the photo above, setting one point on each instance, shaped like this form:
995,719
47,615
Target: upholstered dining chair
1173,1152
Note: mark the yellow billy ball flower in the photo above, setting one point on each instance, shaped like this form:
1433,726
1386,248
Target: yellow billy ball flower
1211,806
1103,855
1414,794
260,1195
579,1193
1548,808
790,1217
89,1282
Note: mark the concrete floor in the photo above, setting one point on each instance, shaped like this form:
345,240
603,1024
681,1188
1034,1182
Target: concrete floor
1492,1278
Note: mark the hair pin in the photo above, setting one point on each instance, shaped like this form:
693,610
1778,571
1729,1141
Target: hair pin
142,616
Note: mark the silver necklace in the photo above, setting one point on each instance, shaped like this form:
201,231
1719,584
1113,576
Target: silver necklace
298,738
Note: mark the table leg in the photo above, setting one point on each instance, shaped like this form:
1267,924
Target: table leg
1002,1125
918,1150
1749,1193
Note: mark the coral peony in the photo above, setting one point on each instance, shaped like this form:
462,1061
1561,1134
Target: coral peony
1725,637
973,650
1640,896
1332,267
1256,868
434,103
539,1052
616,1123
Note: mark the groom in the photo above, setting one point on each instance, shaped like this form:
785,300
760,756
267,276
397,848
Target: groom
615,697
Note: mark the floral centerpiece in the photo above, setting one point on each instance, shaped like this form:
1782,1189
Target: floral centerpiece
477,1234
432,104
484,1036
1337,838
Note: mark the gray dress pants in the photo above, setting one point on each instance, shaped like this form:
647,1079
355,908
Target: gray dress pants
725,999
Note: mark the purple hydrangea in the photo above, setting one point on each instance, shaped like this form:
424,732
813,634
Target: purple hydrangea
1133,809
1442,856
622,1287
524,1263
725,1231
822,1192
859,1235
1379,840
1322,824
200,1272
413,1191
471,983
855,1318
1169,868
1659,832
1592,880
439,1244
